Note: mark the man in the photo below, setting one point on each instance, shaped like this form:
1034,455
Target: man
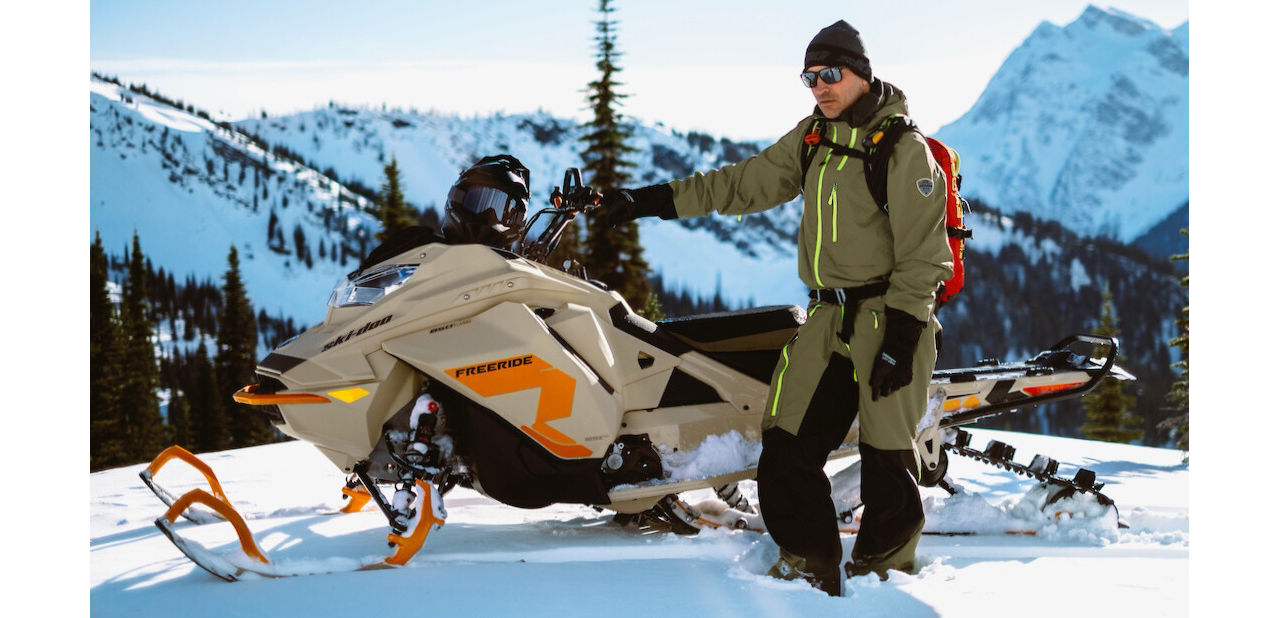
868,346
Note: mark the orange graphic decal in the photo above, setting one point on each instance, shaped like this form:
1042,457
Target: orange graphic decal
956,404
522,373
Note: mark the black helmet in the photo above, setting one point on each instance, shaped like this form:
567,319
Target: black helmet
487,204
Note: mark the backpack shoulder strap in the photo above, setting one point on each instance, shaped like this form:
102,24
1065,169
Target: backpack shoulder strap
817,137
879,145
809,147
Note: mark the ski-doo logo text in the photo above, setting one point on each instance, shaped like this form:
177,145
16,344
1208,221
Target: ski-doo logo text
508,363
356,333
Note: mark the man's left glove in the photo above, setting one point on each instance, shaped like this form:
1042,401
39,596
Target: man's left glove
894,364
619,206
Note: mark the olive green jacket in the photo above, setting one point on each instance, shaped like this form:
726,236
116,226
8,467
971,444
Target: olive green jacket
845,240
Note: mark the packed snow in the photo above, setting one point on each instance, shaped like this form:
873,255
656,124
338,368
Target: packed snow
492,560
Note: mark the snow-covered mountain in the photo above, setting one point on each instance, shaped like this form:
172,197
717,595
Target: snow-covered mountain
191,189
569,560
1085,124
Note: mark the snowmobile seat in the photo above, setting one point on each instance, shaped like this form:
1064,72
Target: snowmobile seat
748,340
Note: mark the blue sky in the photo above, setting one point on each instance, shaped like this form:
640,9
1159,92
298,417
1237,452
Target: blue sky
725,67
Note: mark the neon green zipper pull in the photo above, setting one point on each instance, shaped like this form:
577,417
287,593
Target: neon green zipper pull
835,211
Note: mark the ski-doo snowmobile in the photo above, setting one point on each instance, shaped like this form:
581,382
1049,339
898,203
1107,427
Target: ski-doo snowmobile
440,365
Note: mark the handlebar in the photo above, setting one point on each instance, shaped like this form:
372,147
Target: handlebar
567,202
575,196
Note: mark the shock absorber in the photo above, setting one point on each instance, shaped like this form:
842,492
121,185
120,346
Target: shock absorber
734,498
422,426
402,504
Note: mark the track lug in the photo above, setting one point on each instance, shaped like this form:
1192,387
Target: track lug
1041,464
1084,479
999,451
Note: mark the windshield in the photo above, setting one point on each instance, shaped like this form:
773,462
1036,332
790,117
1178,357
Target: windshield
369,287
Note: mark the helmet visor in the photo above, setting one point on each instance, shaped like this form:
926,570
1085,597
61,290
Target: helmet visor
488,206
480,199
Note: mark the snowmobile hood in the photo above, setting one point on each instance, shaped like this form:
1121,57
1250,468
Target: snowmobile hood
334,350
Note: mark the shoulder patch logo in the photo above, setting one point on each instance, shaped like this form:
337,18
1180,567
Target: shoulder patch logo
925,185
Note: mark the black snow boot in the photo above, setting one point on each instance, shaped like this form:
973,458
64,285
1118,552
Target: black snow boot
791,567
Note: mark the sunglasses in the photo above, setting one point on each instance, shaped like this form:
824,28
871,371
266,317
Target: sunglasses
829,75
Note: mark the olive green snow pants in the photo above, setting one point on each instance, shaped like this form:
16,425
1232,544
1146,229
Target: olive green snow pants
813,400
887,424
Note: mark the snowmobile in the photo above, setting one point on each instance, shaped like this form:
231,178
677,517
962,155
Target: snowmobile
441,365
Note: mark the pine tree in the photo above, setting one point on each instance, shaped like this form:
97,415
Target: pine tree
236,358
142,426
106,443
613,255
392,208
179,431
273,222
1107,407
207,410
1179,396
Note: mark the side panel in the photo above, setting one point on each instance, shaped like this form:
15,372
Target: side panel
685,427
506,360
637,370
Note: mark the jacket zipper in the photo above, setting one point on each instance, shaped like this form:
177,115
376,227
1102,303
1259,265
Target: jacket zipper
835,203
817,250
835,212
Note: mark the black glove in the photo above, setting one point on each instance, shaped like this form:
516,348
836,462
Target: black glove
619,206
892,370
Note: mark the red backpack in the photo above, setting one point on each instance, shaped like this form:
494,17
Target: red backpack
877,147
957,233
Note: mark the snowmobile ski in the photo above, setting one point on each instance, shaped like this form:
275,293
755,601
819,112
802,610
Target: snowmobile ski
192,513
422,514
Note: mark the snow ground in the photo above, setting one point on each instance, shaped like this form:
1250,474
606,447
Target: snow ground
494,560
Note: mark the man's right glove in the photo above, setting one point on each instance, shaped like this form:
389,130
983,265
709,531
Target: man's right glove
619,206
894,364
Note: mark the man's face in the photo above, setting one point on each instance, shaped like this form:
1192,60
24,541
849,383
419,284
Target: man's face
833,99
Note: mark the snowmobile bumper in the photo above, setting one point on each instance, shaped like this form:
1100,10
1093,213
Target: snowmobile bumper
249,395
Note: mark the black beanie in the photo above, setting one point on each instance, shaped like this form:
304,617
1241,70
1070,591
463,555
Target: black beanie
839,45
